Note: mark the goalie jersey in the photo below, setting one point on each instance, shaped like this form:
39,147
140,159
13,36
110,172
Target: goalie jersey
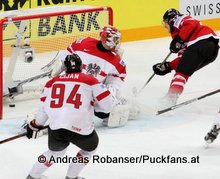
107,66
69,101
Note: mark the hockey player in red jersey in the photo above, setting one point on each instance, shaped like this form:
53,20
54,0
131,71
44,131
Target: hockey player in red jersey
68,102
196,46
102,59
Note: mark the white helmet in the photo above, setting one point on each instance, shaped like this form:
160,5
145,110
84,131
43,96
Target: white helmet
111,37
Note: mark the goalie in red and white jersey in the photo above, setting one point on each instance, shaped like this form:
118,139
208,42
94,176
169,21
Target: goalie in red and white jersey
196,45
68,102
102,59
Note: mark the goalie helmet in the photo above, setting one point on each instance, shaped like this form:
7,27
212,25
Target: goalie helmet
110,37
73,63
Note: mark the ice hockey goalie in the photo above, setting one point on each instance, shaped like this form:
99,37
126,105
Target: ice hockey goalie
102,59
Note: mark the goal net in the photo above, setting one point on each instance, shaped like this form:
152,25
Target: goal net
30,39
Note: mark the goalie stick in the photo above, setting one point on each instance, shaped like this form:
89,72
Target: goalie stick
34,78
18,136
187,102
13,91
154,73
47,66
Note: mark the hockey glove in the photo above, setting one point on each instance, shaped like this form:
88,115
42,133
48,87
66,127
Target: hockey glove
33,130
162,68
176,44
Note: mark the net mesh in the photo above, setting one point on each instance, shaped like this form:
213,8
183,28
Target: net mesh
46,35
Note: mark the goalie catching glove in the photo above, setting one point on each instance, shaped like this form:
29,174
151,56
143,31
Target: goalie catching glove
33,130
162,68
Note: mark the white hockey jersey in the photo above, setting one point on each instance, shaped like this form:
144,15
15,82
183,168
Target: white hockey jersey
106,66
69,101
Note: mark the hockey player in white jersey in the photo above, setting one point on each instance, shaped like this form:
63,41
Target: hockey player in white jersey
102,59
68,102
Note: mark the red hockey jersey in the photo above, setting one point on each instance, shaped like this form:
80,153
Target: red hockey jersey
106,66
190,31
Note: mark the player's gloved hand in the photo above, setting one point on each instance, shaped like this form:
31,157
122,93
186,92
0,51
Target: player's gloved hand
176,44
162,68
33,130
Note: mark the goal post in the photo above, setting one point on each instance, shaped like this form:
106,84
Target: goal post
30,39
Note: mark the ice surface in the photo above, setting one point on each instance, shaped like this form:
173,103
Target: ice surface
178,133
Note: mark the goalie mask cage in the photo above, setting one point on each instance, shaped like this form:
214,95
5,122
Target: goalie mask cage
31,38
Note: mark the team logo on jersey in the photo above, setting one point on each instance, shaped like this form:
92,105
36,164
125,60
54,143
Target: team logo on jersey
93,69
122,63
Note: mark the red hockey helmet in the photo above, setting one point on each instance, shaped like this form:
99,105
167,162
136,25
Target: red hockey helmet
110,37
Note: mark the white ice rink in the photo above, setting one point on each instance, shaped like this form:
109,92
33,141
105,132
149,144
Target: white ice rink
176,134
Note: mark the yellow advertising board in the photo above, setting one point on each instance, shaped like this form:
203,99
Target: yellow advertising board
139,19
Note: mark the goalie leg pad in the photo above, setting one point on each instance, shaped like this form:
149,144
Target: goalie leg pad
134,109
119,115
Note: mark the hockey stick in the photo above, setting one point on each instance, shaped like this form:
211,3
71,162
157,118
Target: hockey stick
13,138
187,102
45,68
13,90
34,78
18,136
154,73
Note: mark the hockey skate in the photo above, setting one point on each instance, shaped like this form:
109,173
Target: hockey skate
42,177
105,122
74,178
168,100
212,135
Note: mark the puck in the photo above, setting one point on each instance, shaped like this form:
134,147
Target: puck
11,105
